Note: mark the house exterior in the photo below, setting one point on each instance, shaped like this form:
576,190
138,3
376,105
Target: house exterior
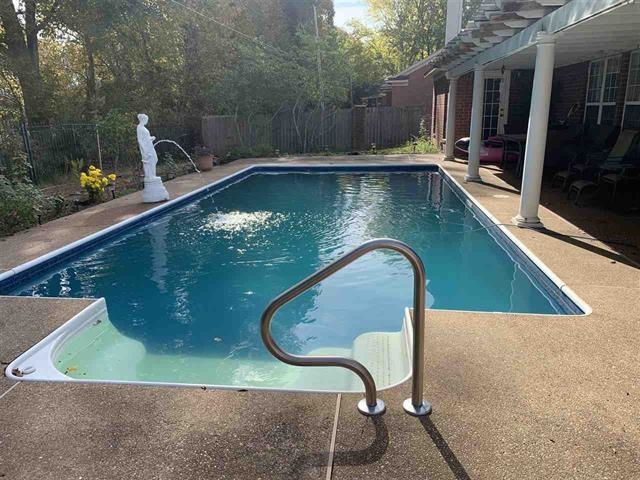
536,68
410,88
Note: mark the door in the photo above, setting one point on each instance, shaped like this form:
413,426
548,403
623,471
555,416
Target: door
496,103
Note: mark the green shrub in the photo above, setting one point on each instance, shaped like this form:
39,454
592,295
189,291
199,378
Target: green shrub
263,151
20,204
249,152
118,138
167,168
420,144
20,200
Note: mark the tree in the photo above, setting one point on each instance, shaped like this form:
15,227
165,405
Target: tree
96,59
369,59
19,44
414,28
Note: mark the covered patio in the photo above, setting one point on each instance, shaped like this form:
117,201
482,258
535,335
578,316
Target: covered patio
551,75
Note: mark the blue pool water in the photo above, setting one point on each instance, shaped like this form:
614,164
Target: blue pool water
190,286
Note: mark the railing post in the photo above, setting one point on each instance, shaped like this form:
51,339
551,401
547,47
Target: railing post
99,149
416,405
27,148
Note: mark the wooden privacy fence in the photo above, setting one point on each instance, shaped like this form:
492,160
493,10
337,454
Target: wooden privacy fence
391,126
291,131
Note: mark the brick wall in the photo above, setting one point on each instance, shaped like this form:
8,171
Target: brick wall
418,92
464,99
440,92
569,87
519,101
463,107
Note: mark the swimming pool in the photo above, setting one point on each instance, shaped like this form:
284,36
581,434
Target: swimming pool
185,284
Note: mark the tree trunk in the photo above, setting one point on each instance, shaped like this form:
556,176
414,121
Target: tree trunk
91,89
31,32
194,101
22,59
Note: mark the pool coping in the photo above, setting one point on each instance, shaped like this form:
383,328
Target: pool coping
32,268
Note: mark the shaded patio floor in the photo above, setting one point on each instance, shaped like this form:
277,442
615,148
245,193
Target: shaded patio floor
619,230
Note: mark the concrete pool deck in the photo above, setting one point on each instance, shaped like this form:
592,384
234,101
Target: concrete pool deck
515,396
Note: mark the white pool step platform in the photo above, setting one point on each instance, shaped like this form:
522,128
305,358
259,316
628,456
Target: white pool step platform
387,355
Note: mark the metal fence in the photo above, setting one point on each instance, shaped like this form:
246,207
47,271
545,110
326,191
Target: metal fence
56,151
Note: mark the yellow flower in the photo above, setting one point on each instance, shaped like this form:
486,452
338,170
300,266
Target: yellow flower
94,181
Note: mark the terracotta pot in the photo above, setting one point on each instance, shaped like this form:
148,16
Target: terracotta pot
204,162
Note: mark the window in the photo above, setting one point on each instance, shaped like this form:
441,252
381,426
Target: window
631,116
491,110
602,91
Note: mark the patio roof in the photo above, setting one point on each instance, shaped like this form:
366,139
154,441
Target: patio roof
505,31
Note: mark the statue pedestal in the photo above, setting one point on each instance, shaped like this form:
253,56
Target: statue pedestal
154,190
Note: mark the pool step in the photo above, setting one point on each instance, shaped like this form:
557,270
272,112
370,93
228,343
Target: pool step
66,355
385,354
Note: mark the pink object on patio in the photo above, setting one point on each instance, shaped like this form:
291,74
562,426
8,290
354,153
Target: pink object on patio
491,151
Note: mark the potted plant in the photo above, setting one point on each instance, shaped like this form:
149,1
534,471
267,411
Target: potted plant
204,158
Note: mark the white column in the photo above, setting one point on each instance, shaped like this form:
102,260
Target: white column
537,133
451,118
477,105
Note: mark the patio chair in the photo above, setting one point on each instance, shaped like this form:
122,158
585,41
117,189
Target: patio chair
623,156
627,177
580,188
565,175
596,162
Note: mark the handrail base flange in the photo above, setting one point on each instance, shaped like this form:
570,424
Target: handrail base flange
417,411
378,409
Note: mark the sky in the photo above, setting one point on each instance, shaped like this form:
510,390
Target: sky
349,9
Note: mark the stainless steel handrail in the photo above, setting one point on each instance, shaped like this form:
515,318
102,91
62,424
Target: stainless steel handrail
370,405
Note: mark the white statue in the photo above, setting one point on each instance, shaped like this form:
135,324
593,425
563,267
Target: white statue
154,190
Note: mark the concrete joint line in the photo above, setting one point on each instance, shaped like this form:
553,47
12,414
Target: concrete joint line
10,388
332,446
